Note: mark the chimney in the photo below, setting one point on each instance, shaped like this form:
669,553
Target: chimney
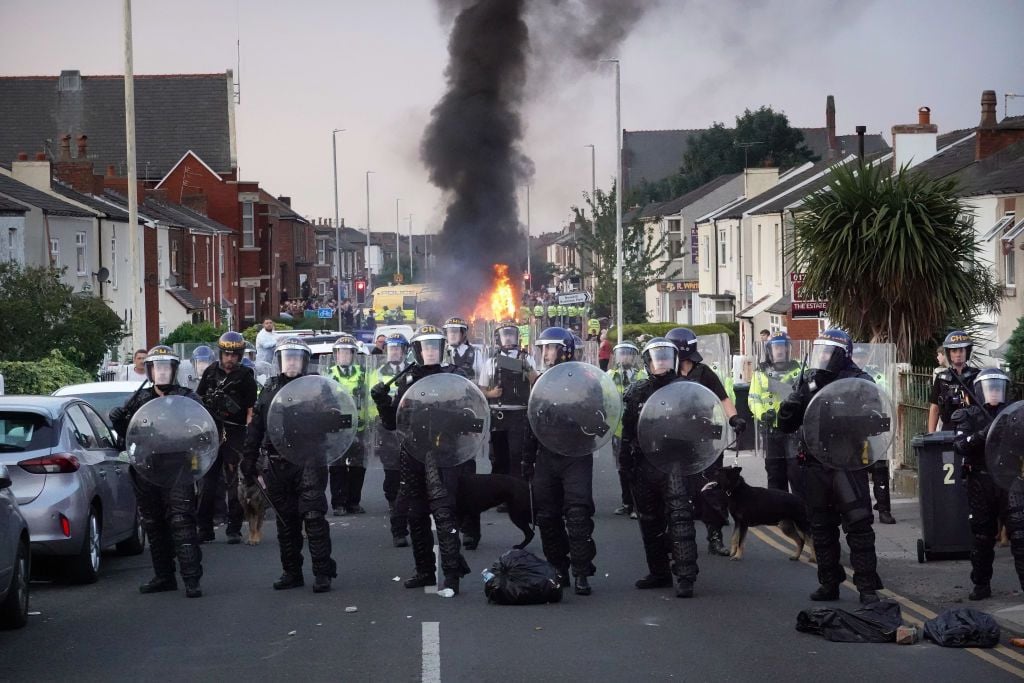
22,156
913,143
83,141
988,109
35,173
830,126
77,172
40,156
65,148
111,173
287,201
861,130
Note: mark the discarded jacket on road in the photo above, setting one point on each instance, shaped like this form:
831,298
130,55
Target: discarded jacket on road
521,578
873,623
963,627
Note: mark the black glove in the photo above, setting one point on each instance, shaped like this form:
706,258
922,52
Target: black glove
738,424
527,469
769,417
117,414
248,468
380,393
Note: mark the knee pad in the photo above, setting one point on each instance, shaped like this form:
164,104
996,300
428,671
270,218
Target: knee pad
577,515
547,518
312,515
178,521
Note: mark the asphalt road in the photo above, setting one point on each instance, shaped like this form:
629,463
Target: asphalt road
739,627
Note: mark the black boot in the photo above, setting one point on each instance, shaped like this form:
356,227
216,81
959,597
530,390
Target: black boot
289,580
654,581
192,589
684,588
421,580
980,592
826,593
321,583
470,542
159,584
582,586
400,541
715,545
868,597
885,517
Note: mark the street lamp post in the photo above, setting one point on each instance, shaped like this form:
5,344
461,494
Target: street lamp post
398,240
337,220
529,270
369,288
410,249
593,181
618,193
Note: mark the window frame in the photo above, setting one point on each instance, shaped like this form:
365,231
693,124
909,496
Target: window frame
81,253
248,229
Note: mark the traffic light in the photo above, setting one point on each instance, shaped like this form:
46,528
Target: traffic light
360,290
526,276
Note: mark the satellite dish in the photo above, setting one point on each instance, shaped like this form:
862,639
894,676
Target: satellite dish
103,275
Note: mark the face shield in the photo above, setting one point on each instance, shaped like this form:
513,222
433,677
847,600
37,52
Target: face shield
344,357
200,366
625,358
661,359
396,353
161,372
779,352
508,337
292,362
250,354
455,336
827,357
431,351
956,357
551,355
991,390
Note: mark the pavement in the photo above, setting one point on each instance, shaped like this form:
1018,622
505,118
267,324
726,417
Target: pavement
738,627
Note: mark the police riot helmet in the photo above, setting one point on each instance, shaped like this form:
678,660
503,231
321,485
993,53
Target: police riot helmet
162,365
560,338
249,364
686,342
346,342
958,339
456,330
506,335
249,351
292,356
625,354
231,342
779,349
203,354
578,343
430,340
661,356
396,346
991,386
833,350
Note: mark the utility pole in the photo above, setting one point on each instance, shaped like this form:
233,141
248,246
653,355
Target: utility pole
618,193
138,318
369,288
411,262
337,220
398,240
529,270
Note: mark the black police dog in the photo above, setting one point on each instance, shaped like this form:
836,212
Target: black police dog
481,492
754,506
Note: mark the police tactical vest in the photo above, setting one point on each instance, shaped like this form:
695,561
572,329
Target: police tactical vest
512,374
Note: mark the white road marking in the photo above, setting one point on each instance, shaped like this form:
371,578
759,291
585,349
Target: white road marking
431,668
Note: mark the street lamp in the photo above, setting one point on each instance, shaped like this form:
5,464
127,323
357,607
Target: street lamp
369,287
529,270
618,194
410,249
593,181
398,241
337,220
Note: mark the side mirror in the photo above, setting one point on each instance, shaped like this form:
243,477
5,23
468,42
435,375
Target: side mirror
5,477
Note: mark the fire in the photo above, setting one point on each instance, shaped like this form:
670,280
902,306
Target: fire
499,302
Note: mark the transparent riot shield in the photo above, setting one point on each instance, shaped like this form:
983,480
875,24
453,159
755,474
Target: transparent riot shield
715,350
848,424
312,421
172,440
263,371
1004,446
444,418
574,409
383,445
187,374
682,428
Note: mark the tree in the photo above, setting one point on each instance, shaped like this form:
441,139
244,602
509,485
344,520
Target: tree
42,314
1015,350
895,256
760,137
638,258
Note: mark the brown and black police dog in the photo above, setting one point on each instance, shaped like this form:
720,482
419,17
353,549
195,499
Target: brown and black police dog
481,492
254,507
756,506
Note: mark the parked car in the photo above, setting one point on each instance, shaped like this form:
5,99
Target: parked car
101,395
73,489
15,558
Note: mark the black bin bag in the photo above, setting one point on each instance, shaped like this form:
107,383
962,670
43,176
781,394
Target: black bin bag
963,627
521,578
873,623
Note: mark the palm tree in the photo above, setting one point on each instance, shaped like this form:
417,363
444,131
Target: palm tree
895,255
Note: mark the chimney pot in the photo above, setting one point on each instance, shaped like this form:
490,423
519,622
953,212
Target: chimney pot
110,171
65,148
83,141
924,116
830,126
988,109
40,156
22,156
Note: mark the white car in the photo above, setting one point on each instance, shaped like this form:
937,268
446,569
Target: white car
101,395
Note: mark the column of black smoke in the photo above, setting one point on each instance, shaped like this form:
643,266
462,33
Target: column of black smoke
472,145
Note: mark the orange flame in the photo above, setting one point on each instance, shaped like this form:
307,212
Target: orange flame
499,302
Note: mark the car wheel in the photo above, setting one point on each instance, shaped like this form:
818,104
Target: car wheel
136,543
85,566
14,610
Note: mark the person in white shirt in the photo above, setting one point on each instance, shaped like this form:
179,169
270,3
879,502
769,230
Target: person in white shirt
136,371
506,380
266,340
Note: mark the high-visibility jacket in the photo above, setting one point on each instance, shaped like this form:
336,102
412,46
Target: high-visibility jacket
353,379
770,387
623,379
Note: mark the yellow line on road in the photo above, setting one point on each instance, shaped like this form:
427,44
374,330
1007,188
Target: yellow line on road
924,612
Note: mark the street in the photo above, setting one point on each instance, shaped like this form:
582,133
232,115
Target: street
740,625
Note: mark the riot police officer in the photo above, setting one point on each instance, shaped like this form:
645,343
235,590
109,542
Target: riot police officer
465,357
348,472
202,357
625,370
508,375
387,446
951,388
834,496
168,515
987,500
297,491
562,488
229,392
663,503
709,500
879,471
426,493
778,373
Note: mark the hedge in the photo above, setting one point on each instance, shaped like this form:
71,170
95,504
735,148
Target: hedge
661,329
250,332
41,377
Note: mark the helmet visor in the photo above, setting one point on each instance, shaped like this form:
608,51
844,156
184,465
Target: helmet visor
992,390
661,359
396,353
625,357
779,352
292,362
827,357
508,337
551,354
344,357
161,372
430,351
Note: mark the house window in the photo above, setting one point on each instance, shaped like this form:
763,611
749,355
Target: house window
80,253
220,261
209,263
12,241
248,225
706,253
1009,265
722,244
113,258
675,248
195,283
775,323
777,249
55,252
758,254
250,302
673,225
160,264
174,258
321,252
321,287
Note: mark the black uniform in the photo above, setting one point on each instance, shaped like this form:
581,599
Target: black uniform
463,357
510,371
428,491
298,493
988,502
663,500
388,449
835,496
168,515
228,396
710,505
949,394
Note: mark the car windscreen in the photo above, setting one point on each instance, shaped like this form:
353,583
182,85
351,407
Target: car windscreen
104,401
25,432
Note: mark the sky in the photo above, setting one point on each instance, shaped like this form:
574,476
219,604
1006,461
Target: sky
376,68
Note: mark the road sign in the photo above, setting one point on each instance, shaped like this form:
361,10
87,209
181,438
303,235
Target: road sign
325,312
573,298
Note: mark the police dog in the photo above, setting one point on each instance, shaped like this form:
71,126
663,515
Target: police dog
481,492
254,507
754,506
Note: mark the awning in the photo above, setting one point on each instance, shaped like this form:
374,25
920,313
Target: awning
997,228
781,307
186,298
1015,232
757,307
721,297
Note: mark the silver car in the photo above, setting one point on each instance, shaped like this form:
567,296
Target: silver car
73,489
15,558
